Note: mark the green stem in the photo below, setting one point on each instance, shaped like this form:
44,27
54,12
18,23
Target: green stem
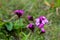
12,18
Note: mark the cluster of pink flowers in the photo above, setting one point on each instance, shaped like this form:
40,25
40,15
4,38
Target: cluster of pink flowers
39,22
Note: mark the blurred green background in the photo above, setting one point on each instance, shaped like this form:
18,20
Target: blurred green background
35,8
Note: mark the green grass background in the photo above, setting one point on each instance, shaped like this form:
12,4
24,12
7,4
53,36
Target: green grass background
35,8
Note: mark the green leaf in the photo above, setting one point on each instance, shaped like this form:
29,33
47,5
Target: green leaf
2,35
19,24
9,26
1,24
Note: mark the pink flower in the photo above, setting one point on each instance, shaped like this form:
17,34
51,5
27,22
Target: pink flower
37,22
30,26
41,25
30,18
42,30
41,20
19,13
